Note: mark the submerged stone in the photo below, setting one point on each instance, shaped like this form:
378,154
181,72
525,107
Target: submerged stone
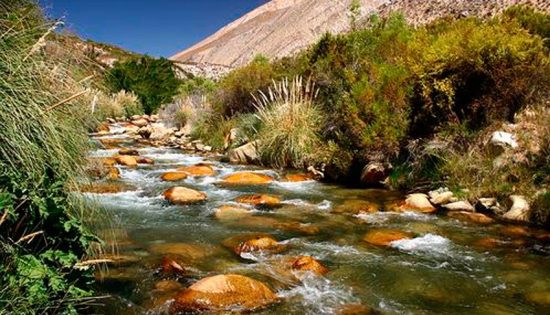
127,151
224,213
308,263
225,293
298,177
384,237
106,188
184,250
471,217
356,207
260,200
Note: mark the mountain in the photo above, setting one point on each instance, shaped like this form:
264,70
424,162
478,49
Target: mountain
282,27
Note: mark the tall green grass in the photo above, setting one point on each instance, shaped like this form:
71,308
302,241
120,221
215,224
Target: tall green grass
290,124
43,142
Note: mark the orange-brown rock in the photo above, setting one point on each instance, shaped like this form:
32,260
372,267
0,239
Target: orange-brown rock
417,203
169,265
259,200
384,237
356,309
487,242
103,127
259,244
515,231
298,177
247,178
224,293
144,160
182,195
184,250
542,298
108,161
173,176
106,188
471,217
127,151
310,264
356,207
127,160
113,173
198,170
231,213
168,286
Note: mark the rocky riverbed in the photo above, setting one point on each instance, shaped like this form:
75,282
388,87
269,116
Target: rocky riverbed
197,234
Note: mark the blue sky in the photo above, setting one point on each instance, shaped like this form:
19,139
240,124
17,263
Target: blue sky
154,27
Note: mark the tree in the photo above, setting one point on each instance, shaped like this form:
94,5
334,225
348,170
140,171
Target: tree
154,81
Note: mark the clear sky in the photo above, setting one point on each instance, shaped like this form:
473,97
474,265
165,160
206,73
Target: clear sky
154,27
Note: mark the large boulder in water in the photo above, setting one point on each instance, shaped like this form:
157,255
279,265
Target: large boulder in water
182,195
418,203
247,178
224,293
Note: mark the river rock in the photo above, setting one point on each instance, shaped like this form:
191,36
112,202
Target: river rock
225,293
373,173
168,286
113,173
170,266
160,132
127,151
308,263
541,298
140,122
417,202
225,213
260,200
183,250
515,231
127,160
520,210
441,196
298,177
259,244
103,128
471,217
489,205
173,176
144,160
198,170
459,206
247,178
356,206
109,161
356,309
182,195
246,154
384,237
106,188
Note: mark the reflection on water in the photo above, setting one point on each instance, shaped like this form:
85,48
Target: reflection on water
447,267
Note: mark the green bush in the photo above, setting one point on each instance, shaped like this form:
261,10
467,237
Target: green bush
154,81
537,23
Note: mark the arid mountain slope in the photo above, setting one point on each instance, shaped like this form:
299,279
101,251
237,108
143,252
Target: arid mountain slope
282,27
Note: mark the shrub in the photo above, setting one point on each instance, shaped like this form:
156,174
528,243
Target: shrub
154,81
129,103
537,23
234,95
291,123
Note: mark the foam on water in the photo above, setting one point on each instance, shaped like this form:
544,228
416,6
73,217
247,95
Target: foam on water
319,295
296,186
324,205
429,243
130,199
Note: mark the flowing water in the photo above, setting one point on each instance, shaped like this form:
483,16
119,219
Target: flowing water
447,268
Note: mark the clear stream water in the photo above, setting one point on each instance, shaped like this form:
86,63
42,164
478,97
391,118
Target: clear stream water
445,269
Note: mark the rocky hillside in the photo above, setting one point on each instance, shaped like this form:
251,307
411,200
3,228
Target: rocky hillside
282,27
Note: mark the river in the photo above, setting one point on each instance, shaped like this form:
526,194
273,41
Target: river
447,267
